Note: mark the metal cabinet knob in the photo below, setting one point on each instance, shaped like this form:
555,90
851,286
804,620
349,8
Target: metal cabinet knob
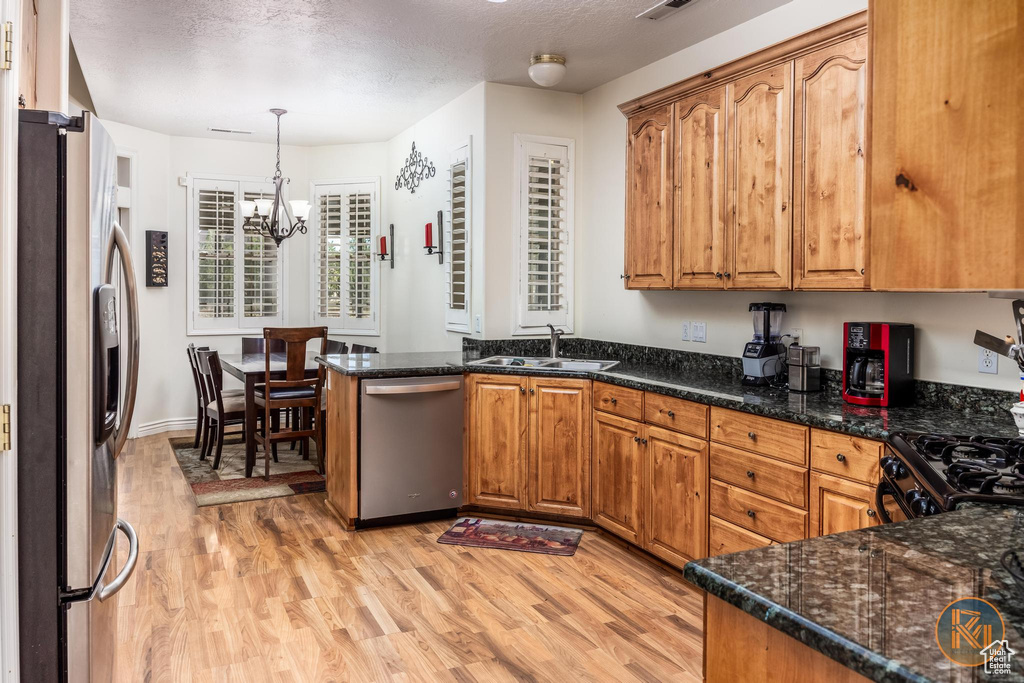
532,391
671,414
752,436
728,274
750,473
614,401
522,390
840,457
718,275
750,513
643,441
871,513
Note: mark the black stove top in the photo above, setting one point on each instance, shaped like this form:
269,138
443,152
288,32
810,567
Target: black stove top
929,473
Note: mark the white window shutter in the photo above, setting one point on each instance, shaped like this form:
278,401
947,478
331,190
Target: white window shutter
544,217
261,272
458,238
345,273
213,252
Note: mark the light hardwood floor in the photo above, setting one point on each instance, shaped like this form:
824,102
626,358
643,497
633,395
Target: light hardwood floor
276,590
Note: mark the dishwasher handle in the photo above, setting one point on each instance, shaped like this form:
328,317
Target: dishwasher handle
378,389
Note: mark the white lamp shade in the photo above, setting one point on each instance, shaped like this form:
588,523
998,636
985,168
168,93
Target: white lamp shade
247,207
300,208
264,207
547,74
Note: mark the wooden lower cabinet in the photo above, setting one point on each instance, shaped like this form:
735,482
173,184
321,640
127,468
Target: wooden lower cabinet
725,537
617,478
839,505
676,501
559,446
497,417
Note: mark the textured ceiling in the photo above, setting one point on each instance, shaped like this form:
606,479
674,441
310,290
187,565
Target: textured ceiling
355,70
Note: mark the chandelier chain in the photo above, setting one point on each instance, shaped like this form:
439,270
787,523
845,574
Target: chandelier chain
278,173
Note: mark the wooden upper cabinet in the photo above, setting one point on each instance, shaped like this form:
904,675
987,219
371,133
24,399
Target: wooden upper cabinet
649,200
559,446
618,471
829,202
699,235
497,440
946,166
675,527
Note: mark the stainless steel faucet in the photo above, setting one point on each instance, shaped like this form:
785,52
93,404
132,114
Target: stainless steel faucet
555,336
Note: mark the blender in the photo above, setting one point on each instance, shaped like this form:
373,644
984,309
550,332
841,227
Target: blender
763,356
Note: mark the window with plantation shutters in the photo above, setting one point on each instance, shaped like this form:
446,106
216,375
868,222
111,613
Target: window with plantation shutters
457,242
544,218
235,279
344,226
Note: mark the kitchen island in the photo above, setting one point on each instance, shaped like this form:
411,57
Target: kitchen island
866,601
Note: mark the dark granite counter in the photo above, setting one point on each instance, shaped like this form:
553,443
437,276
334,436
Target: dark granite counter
869,599
713,385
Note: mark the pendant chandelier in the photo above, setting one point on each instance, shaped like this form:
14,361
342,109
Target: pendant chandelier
272,217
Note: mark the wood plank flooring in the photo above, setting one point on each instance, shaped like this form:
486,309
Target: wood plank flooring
276,590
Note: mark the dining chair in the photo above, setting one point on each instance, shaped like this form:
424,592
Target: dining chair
201,401
294,391
359,348
252,346
335,347
221,410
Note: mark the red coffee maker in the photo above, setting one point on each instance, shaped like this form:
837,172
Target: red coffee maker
878,364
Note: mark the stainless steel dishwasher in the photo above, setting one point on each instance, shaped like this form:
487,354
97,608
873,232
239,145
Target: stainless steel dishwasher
410,451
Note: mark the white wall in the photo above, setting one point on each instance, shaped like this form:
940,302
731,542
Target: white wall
945,349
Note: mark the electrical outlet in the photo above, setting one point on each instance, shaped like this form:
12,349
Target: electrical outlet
796,333
686,331
478,323
700,331
988,361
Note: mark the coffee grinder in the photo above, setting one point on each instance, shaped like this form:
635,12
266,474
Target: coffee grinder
763,355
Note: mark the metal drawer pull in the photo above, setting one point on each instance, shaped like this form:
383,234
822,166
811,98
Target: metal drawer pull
840,457
412,388
750,473
752,436
750,513
871,513
671,414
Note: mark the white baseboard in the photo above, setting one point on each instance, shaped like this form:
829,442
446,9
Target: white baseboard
168,425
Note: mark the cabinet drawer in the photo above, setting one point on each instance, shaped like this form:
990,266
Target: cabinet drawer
774,438
725,537
759,474
845,455
777,521
675,413
627,403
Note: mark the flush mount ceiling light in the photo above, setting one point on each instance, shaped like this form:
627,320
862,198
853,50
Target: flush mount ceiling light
547,70
270,216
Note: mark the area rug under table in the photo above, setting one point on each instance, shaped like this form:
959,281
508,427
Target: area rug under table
501,535
290,476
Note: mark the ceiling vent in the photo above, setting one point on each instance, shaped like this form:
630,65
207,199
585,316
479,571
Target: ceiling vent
663,9
230,130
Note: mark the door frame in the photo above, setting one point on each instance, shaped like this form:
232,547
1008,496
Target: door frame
10,10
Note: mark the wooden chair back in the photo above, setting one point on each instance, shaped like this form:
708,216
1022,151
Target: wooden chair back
336,347
295,340
359,348
252,346
212,374
202,397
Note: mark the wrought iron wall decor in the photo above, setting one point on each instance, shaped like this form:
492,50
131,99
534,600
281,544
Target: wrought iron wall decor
417,168
156,258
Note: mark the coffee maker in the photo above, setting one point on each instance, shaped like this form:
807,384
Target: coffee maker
763,355
878,364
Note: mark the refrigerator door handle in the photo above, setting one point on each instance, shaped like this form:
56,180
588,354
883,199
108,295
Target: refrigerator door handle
129,566
119,241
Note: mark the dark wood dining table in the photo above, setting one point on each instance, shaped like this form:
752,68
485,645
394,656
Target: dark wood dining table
252,370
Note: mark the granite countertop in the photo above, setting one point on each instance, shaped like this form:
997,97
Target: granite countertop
821,409
869,599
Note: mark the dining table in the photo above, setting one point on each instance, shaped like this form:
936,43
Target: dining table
250,370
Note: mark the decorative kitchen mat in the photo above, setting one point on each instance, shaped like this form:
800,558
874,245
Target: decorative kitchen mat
290,476
529,538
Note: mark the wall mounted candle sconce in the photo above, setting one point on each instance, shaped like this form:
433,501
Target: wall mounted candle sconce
384,241
429,238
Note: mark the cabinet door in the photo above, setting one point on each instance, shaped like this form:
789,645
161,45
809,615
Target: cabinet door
618,471
676,501
699,236
497,440
947,145
839,505
559,453
758,176
829,236
649,200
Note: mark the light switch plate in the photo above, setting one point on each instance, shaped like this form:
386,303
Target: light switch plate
686,331
699,331
478,323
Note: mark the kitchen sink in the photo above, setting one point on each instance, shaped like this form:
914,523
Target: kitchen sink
570,365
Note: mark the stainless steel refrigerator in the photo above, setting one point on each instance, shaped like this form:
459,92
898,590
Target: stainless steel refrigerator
77,379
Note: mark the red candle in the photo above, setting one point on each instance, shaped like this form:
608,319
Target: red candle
429,235
383,246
